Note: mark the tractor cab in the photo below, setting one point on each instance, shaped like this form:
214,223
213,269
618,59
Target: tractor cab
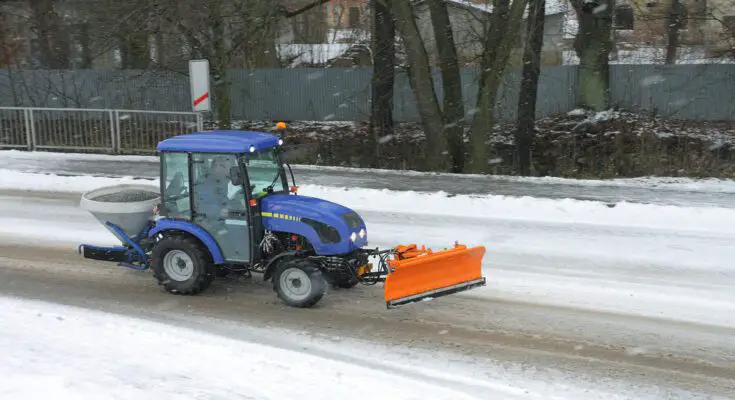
216,181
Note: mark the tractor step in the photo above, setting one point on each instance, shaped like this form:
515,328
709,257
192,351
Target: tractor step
113,254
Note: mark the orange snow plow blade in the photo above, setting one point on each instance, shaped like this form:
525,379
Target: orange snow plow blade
416,273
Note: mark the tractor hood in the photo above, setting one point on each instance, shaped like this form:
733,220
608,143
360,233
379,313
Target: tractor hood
328,226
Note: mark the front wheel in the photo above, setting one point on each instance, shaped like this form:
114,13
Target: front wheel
299,283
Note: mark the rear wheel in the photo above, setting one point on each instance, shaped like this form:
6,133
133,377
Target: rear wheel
181,265
299,283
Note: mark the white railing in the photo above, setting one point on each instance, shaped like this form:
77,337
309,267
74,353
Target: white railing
98,130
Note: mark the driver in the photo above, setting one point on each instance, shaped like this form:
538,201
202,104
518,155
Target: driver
214,189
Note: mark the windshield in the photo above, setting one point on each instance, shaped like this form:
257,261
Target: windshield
264,170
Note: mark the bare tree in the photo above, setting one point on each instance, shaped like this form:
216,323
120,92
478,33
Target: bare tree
675,18
223,31
593,44
453,112
9,46
52,37
529,85
419,74
384,53
502,33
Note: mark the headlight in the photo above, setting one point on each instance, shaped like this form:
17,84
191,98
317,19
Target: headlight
353,237
362,233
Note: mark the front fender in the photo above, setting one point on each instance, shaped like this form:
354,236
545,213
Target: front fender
164,225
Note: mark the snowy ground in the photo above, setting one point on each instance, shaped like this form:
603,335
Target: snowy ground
65,352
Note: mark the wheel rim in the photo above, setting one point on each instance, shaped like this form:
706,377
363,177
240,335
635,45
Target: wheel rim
295,284
178,265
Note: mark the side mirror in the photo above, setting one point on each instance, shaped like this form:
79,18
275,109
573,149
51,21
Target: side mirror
235,178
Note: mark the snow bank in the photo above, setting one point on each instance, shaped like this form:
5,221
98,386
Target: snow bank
64,352
14,180
47,155
567,211
532,209
659,183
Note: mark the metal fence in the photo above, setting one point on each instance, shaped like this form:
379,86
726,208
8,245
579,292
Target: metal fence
693,92
97,130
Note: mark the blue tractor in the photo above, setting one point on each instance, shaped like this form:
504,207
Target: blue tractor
225,207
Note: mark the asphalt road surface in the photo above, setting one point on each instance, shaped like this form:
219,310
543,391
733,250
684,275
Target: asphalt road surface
691,360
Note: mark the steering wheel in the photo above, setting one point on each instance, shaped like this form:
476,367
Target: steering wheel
177,197
183,193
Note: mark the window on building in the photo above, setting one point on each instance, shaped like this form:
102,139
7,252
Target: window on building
354,17
624,18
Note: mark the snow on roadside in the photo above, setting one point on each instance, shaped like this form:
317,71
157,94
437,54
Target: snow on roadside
14,180
63,352
568,211
49,156
709,185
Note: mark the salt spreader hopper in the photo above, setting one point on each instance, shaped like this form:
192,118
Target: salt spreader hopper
224,207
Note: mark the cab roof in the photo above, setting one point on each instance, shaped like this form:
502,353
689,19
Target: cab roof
219,141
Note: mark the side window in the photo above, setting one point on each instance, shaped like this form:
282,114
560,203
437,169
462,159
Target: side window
213,190
176,185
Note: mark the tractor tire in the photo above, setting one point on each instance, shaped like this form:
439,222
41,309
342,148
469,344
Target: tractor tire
299,283
181,265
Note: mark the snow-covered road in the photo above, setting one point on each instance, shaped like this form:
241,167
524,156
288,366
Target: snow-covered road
632,301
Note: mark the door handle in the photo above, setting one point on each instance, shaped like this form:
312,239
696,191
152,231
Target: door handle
232,213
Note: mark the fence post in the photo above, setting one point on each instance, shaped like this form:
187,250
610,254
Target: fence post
27,121
113,136
118,143
31,130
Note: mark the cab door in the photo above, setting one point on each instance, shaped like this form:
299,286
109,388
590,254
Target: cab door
219,206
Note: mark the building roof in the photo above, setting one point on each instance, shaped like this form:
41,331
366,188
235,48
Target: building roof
219,142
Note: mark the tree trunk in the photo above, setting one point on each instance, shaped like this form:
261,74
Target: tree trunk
381,116
135,48
451,82
220,65
52,37
529,85
673,24
419,74
498,42
593,44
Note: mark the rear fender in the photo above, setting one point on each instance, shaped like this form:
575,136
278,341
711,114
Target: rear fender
168,225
